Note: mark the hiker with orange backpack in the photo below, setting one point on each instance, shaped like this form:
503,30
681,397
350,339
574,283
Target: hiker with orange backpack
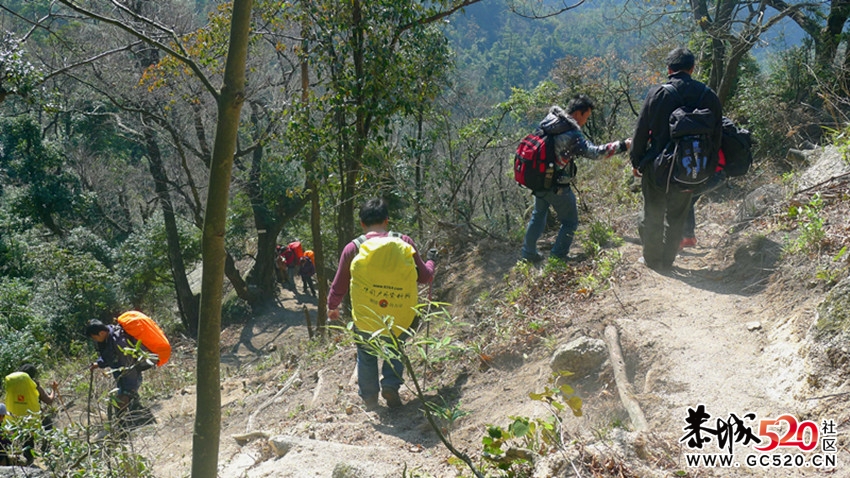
379,292
306,269
112,343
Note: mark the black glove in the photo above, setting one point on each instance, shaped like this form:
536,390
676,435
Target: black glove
432,255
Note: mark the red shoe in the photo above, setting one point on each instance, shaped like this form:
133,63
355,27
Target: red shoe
688,242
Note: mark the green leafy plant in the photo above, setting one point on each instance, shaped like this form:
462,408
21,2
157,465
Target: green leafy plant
597,236
810,224
604,267
832,274
521,441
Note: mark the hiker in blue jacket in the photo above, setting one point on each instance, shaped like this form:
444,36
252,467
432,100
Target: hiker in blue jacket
569,144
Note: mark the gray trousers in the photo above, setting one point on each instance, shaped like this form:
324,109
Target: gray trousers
663,220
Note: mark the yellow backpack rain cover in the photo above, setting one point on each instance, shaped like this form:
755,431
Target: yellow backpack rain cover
383,283
21,395
144,329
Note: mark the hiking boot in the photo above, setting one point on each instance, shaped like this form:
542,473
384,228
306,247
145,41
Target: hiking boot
532,258
656,266
392,398
687,242
371,402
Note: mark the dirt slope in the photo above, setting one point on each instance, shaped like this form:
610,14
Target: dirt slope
726,329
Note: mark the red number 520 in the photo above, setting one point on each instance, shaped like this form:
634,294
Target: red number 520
795,436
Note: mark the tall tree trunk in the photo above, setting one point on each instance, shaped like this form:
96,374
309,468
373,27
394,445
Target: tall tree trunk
418,193
733,61
207,431
315,205
186,301
354,161
830,35
268,227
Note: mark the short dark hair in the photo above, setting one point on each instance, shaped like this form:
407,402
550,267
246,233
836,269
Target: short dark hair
30,370
374,211
95,327
680,59
580,102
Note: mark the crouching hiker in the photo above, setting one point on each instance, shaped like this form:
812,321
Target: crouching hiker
112,343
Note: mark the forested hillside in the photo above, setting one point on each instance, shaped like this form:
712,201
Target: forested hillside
154,154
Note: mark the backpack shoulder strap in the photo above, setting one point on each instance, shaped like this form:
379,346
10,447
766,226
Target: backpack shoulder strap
672,89
359,241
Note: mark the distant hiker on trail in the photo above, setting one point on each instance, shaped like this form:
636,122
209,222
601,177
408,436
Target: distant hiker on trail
110,340
306,269
665,205
569,143
281,270
24,396
381,270
291,254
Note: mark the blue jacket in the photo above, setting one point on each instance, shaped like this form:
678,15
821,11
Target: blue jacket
571,143
110,351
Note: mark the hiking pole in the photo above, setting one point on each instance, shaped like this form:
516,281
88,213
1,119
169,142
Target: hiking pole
88,406
428,318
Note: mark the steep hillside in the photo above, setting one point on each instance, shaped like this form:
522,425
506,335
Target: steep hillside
729,328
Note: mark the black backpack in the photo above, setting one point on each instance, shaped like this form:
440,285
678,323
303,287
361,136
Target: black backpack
687,160
737,146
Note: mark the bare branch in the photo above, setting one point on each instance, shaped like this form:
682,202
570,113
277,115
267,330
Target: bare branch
178,55
90,60
538,16
439,15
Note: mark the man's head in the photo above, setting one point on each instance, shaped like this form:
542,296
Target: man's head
680,59
30,370
97,330
374,211
580,108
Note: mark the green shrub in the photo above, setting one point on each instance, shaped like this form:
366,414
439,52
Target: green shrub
143,267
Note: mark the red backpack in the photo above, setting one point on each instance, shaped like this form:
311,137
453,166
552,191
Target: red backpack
534,162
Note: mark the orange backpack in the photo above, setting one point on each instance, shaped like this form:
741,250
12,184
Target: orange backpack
144,329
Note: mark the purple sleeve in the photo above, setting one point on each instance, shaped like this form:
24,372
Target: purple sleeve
342,279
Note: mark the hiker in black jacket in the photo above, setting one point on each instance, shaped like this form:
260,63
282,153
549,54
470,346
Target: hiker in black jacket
665,206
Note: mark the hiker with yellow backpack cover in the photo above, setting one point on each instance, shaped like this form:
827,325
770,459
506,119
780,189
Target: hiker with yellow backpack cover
381,269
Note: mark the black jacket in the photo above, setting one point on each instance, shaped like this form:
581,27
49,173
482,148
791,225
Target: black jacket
653,130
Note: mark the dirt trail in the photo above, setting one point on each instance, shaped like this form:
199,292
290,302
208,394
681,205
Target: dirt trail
700,338
715,331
